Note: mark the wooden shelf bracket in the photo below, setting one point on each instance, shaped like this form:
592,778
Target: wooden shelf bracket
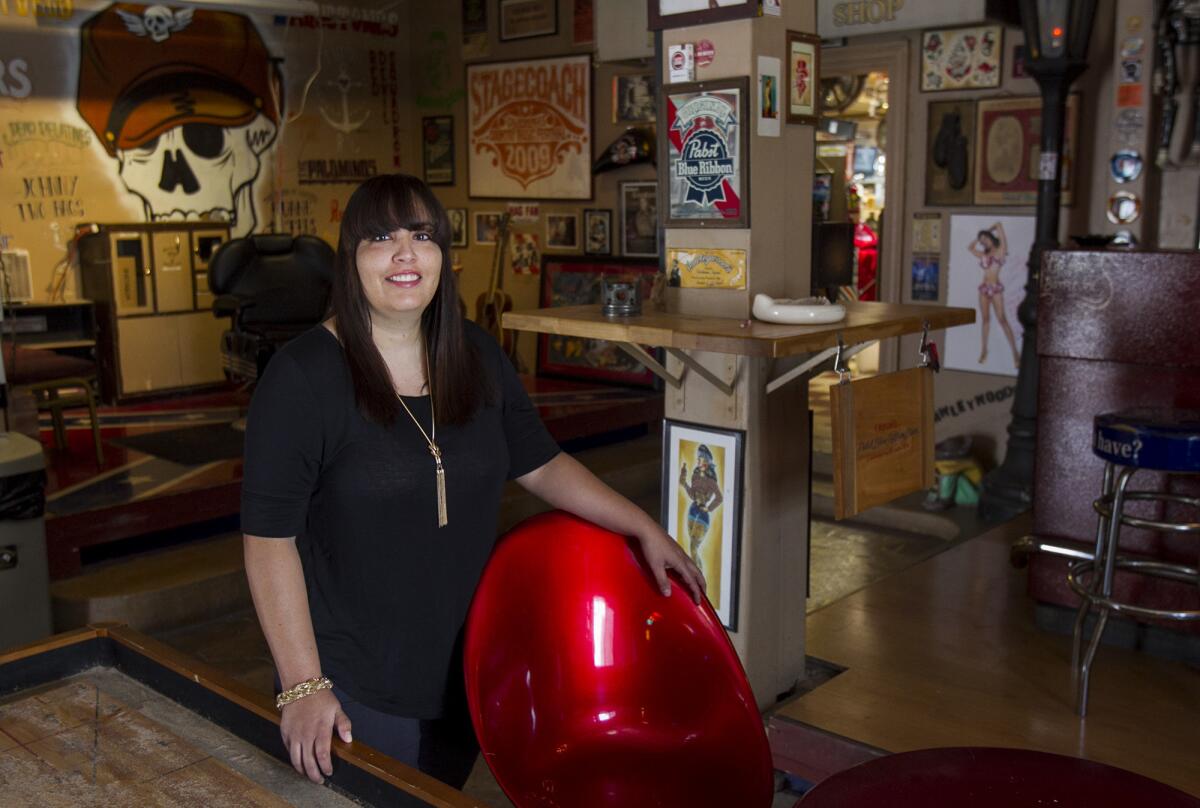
811,364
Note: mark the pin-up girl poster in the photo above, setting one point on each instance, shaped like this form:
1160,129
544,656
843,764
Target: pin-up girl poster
701,484
988,256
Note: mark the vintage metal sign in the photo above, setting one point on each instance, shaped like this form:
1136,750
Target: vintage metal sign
530,128
706,154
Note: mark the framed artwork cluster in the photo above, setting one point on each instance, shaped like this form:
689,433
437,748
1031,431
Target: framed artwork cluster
961,58
575,281
987,152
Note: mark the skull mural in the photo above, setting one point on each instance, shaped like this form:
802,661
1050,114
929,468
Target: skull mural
186,102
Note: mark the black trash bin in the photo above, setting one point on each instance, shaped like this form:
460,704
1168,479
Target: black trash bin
24,574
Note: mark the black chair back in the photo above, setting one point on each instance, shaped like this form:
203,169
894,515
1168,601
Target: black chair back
273,280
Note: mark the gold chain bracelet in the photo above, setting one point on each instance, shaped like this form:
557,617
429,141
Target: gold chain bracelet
305,688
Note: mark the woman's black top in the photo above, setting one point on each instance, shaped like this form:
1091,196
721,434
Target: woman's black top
388,589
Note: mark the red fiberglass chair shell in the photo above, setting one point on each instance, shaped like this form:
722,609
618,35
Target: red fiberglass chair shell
587,687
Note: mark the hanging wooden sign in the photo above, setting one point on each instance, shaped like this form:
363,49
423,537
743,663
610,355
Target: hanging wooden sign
882,439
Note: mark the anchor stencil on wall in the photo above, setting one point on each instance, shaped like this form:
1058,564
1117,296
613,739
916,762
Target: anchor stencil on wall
346,124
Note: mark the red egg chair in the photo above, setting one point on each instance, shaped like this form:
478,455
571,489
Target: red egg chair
587,687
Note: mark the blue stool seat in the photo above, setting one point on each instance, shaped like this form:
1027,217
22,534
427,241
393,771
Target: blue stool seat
1162,440
1166,441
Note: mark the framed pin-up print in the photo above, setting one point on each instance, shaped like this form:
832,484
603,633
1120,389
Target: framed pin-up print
703,159
458,226
1009,134
803,77
677,13
525,141
702,506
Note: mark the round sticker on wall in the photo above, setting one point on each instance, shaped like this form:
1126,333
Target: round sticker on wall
1126,165
1123,208
1132,46
705,53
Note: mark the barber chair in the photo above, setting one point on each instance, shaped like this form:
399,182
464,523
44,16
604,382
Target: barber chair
589,688
273,287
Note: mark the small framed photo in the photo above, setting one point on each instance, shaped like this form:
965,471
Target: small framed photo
702,506
522,19
705,167
961,58
633,98
562,231
597,231
803,77
639,218
437,149
458,226
487,224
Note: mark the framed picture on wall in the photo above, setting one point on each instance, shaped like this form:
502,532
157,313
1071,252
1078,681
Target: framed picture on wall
803,77
524,142
961,58
487,224
950,153
677,13
702,505
633,98
1009,136
703,160
437,149
522,19
639,218
597,231
562,231
458,226
575,281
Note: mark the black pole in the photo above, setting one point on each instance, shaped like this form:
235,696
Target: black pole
1008,490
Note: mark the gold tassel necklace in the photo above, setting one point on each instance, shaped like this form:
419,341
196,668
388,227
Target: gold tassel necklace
429,439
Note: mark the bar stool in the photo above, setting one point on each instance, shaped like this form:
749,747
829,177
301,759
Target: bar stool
1131,441
57,382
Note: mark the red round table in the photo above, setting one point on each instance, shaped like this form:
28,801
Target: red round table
984,777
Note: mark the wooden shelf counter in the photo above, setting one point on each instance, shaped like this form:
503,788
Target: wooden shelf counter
864,322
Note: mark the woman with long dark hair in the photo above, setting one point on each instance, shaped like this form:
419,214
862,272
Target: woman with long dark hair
377,448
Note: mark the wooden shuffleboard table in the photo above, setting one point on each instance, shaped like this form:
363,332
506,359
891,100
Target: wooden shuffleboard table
106,716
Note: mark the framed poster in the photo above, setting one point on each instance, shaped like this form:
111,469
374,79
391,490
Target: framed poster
961,58
575,281
986,270
458,226
639,219
803,77
525,256
950,153
703,161
768,96
487,224
437,149
702,506
633,98
522,19
677,13
524,142
597,231
562,231
1009,132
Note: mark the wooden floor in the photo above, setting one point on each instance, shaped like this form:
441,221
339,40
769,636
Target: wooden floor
947,654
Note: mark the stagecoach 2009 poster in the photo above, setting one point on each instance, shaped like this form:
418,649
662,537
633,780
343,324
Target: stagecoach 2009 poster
529,129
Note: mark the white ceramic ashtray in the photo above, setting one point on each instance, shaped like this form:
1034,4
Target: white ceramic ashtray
802,311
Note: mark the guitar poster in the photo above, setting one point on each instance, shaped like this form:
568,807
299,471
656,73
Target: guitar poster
529,128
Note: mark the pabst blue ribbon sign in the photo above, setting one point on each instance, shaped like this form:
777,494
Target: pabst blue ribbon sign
704,132
529,128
